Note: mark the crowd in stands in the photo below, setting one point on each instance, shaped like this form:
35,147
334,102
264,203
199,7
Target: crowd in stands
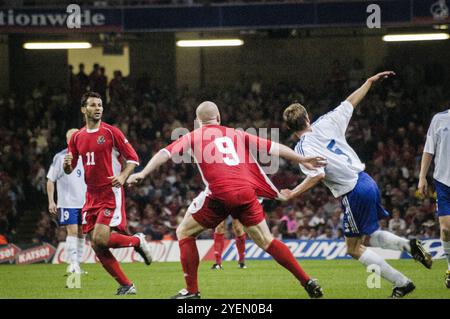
387,130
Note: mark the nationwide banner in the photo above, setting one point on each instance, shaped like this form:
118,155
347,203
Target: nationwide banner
225,16
168,251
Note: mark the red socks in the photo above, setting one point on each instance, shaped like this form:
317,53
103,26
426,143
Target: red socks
219,240
112,266
117,240
240,245
189,261
281,253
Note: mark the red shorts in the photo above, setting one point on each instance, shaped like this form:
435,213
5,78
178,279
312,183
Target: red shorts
104,206
243,206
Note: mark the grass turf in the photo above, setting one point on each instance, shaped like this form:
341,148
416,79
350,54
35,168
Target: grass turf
262,279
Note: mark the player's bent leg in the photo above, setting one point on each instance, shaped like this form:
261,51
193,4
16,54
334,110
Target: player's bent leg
356,249
219,241
388,240
261,235
241,237
100,238
444,222
186,234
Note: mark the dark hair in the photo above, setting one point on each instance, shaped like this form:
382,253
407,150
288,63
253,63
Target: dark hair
87,95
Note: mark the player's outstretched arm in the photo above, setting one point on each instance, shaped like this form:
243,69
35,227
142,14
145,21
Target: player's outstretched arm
156,161
356,97
424,167
287,153
308,182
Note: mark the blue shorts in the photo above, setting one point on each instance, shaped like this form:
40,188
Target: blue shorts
443,199
69,216
362,208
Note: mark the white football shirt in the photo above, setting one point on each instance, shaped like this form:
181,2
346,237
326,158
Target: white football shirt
327,139
71,189
438,144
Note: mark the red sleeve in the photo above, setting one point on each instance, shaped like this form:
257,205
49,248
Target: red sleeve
124,147
257,143
72,148
180,146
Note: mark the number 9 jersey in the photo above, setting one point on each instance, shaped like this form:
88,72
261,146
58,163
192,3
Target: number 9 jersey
327,139
226,159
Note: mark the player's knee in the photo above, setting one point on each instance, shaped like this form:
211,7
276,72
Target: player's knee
353,251
100,241
445,232
220,228
238,230
181,234
263,242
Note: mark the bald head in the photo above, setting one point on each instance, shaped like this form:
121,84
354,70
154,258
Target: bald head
208,113
70,133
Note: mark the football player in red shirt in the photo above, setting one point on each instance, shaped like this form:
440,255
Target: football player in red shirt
102,148
233,181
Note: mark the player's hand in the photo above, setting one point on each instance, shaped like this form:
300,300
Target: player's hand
134,179
68,162
52,208
423,187
381,75
117,181
314,162
286,193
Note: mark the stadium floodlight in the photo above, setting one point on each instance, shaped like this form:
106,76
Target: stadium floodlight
210,43
415,37
56,45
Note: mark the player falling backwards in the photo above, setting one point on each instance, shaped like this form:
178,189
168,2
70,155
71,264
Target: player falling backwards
102,148
233,181
345,177
71,190
438,145
219,242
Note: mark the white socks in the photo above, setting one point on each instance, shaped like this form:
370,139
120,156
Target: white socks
71,249
387,240
446,246
80,249
387,272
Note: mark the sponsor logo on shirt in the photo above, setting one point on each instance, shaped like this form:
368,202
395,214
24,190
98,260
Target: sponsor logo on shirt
101,139
107,212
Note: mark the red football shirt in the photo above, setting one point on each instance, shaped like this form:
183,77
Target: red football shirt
102,151
224,159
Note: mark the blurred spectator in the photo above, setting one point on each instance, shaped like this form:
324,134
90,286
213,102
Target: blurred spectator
396,224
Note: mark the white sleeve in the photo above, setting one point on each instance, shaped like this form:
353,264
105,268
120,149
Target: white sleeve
307,151
55,170
340,116
430,142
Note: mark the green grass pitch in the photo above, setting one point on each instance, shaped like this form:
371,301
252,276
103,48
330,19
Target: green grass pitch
262,280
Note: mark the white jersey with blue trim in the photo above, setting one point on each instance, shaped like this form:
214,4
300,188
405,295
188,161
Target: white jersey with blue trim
438,144
327,139
71,189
